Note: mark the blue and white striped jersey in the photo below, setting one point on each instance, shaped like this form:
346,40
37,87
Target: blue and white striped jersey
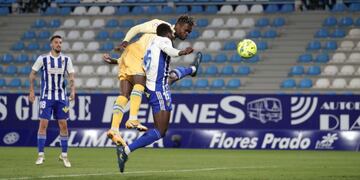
53,75
157,62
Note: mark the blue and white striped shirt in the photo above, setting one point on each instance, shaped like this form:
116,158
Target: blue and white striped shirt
53,75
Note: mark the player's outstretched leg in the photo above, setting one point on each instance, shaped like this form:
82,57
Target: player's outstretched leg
118,112
181,72
122,157
135,101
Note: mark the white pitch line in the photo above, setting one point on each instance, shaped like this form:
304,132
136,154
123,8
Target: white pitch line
139,172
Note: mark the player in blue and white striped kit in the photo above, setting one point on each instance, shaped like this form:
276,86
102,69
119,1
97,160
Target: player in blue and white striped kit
158,79
53,97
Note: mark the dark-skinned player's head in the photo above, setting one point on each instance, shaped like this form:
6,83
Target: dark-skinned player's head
55,43
164,30
183,26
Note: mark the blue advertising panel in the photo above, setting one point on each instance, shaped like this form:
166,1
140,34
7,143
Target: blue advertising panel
230,113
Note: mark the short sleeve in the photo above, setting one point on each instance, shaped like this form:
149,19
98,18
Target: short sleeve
38,64
70,67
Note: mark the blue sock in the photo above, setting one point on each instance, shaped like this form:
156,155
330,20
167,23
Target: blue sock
64,143
182,71
149,137
41,139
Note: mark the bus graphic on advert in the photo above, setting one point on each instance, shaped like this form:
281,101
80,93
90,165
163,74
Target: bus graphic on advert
265,110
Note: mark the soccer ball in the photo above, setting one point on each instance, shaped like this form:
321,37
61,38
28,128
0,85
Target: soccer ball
246,48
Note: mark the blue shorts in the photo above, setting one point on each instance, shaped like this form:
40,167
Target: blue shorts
159,100
59,108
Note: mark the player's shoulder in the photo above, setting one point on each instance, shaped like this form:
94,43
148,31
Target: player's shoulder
160,39
43,55
65,56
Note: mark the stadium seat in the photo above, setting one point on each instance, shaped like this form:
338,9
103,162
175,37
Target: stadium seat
103,70
217,84
196,9
22,58
181,10
330,45
69,23
98,23
227,70
233,84
167,10
235,58
45,35
353,33
60,33
107,46
338,57
314,45
223,34
256,9
117,35
102,35
239,34
347,70
229,46
206,58
64,11
88,35
11,70
127,23
112,23
211,71
278,22
354,7
262,22
232,22
220,58
253,59
137,10
28,35
330,70
226,9
73,35
208,34
339,7
202,22
39,23
248,22
92,83
217,22
346,45
18,46
314,70
330,21
201,84
107,83
214,46
346,21
262,45
33,46
287,8
254,34
78,46
243,70
84,23
354,83
338,83
97,58
65,46
194,34
305,83
322,33
4,11
354,57
271,33
2,83
272,8
240,9
79,82
322,83
25,70
338,33
185,44
87,70
7,58
50,11
297,70
108,10
15,83
211,9
79,10
115,70
123,10
322,58
185,84
82,58
93,10
288,83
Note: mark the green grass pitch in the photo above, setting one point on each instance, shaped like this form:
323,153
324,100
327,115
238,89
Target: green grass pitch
173,164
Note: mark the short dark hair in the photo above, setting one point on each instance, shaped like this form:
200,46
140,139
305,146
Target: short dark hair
163,29
55,36
185,19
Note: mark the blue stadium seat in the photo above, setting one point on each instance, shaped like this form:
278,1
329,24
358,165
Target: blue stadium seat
262,22
338,33
314,45
201,83
118,35
278,22
217,84
18,46
271,33
297,70
1,70
330,21
322,58
4,11
11,70
25,70
2,82
233,84
339,7
305,83
137,10
243,70
55,23
288,83
15,83
27,83
346,21
7,58
322,33
181,10
28,35
22,58
262,45
123,10
253,59
221,58
44,35
185,84
112,23
287,8
167,10
107,46
64,11
330,45
196,9
39,23
305,58
228,46
227,70
45,47
235,58
272,8
202,22
102,35
50,11
211,70
152,10
127,23
314,70
140,21
211,9
194,34
33,46
206,58
172,20
354,7
357,22
115,55
34,57
59,1
254,34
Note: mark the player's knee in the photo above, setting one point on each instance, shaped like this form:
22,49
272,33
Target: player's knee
138,88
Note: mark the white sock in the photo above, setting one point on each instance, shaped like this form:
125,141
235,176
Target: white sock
41,154
127,150
193,69
64,154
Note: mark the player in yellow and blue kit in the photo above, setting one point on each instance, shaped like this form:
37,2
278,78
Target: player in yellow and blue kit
157,69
